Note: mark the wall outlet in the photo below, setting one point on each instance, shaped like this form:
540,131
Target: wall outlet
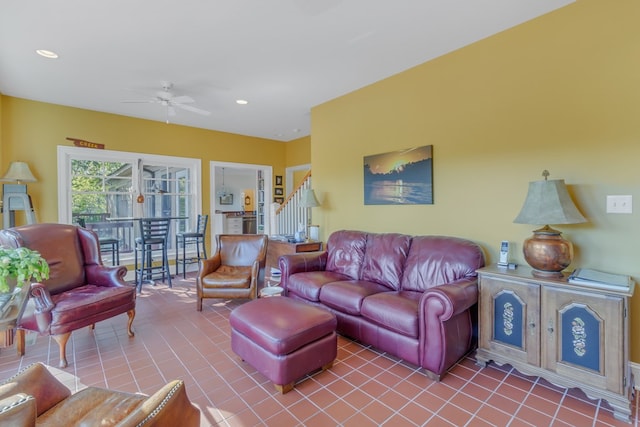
619,204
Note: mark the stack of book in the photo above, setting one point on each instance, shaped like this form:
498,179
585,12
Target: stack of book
599,279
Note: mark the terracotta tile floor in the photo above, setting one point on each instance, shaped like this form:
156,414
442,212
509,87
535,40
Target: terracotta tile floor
364,388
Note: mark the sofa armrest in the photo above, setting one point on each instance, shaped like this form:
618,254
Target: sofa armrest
37,314
36,380
300,263
102,275
209,265
169,406
446,324
452,298
18,410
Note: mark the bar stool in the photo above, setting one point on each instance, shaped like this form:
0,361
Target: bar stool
106,244
154,237
192,238
112,245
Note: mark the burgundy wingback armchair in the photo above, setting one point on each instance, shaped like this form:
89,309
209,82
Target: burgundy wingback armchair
234,269
80,290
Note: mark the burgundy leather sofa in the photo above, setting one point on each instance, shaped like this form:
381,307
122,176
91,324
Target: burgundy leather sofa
411,296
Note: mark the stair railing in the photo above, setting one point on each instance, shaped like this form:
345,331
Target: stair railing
289,216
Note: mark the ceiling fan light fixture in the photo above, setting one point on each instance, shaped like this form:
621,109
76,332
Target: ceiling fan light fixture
47,53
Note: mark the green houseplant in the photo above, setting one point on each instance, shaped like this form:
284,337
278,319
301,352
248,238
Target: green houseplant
23,264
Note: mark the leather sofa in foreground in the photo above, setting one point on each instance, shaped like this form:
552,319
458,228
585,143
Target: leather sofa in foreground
36,397
412,296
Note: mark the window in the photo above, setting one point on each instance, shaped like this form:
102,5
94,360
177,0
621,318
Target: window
106,190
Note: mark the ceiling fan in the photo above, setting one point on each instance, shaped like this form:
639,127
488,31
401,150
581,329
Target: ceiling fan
169,100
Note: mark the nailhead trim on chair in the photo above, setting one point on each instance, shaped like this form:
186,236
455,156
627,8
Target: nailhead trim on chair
162,404
8,380
16,403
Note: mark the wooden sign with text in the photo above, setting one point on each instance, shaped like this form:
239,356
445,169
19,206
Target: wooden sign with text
86,144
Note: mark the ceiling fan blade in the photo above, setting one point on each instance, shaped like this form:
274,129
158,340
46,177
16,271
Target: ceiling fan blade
164,94
182,99
193,109
139,101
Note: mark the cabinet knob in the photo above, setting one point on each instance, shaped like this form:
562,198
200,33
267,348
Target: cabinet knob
532,325
550,328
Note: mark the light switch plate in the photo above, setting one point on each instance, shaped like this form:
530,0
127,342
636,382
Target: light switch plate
619,204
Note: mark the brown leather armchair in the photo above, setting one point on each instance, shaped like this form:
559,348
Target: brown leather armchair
235,268
36,397
80,290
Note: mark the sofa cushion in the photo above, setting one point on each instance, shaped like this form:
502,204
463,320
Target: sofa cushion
228,276
434,260
396,311
92,406
307,285
76,305
384,258
347,296
345,252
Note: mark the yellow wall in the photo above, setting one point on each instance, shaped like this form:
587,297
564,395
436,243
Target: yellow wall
298,151
561,93
31,131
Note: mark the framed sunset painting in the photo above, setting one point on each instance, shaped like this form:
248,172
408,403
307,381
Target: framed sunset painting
403,177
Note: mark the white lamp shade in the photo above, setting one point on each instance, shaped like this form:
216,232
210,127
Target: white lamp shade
308,199
20,172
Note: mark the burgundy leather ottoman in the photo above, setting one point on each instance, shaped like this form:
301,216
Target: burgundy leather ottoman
284,339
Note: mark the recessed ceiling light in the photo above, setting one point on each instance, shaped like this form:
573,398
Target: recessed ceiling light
242,101
47,53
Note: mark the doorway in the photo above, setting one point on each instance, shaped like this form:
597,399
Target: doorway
241,191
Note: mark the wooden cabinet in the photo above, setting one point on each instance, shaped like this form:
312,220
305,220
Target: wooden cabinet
275,248
233,225
571,335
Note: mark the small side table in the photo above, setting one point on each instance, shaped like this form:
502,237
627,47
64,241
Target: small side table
271,291
11,316
272,287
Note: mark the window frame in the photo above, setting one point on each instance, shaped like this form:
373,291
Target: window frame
66,154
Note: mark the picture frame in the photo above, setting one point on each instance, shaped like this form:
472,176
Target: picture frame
279,191
278,200
403,177
278,179
227,199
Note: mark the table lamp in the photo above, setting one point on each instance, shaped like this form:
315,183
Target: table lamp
14,196
19,172
548,202
308,200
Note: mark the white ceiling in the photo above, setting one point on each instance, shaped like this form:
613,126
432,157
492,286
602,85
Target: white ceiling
283,56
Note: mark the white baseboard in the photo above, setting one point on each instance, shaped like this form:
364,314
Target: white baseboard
635,375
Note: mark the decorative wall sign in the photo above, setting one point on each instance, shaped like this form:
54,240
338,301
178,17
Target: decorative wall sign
85,144
402,177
